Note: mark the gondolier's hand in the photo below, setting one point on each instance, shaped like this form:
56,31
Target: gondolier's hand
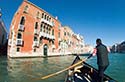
90,56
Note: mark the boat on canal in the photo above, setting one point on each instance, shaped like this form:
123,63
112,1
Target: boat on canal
84,73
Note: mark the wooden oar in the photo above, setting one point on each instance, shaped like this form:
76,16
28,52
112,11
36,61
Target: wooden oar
72,66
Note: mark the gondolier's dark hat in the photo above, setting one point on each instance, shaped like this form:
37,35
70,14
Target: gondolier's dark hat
98,40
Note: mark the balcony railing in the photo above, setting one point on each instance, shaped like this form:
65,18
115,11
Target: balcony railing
19,42
36,43
48,36
10,42
47,22
21,27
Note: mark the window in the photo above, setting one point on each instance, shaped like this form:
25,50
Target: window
53,32
59,43
40,41
18,49
41,27
64,33
59,34
22,22
38,14
19,36
49,41
42,15
49,30
49,19
53,42
45,16
26,9
35,38
34,50
44,28
36,25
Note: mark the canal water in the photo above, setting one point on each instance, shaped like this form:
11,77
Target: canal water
29,69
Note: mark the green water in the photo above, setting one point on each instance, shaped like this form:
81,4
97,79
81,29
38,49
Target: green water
27,69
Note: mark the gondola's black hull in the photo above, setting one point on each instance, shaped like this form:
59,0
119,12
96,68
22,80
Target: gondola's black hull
86,73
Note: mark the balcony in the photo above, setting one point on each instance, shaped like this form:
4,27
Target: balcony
47,22
21,27
36,31
19,42
48,36
42,34
36,43
10,42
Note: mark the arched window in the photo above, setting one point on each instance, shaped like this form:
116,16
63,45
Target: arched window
35,38
45,16
19,36
42,15
22,22
41,27
44,28
38,14
53,32
26,9
36,25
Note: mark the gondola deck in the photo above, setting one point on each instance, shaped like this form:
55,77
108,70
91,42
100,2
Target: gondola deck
84,73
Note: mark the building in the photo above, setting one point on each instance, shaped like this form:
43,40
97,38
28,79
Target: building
118,48
3,32
77,44
122,47
66,40
70,43
3,36
33,32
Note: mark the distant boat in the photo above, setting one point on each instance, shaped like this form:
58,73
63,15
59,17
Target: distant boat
84,73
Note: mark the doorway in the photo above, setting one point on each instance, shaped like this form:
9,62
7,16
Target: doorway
45,50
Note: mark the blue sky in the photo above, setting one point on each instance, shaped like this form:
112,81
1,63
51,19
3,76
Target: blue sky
93,19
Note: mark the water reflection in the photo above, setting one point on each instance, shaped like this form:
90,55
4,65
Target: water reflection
26,69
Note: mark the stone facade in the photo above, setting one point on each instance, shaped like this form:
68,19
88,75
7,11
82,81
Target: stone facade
34,32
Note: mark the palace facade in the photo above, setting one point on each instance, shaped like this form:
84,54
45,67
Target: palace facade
34,32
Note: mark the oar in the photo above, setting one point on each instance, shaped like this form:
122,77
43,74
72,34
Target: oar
72,66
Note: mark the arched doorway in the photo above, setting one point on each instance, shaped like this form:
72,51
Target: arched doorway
45,50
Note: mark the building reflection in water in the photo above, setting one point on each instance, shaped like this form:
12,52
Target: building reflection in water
25,69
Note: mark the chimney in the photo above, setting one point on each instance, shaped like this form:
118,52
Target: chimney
56,18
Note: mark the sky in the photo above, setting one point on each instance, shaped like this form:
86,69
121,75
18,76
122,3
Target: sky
92,19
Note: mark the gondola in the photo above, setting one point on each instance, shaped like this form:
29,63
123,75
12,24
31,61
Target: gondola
84,73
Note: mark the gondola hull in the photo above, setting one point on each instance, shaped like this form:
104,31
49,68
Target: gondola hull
84,73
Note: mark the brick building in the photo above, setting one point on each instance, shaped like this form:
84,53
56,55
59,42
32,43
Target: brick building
33,32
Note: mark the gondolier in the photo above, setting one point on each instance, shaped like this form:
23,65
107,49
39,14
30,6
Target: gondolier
102,58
